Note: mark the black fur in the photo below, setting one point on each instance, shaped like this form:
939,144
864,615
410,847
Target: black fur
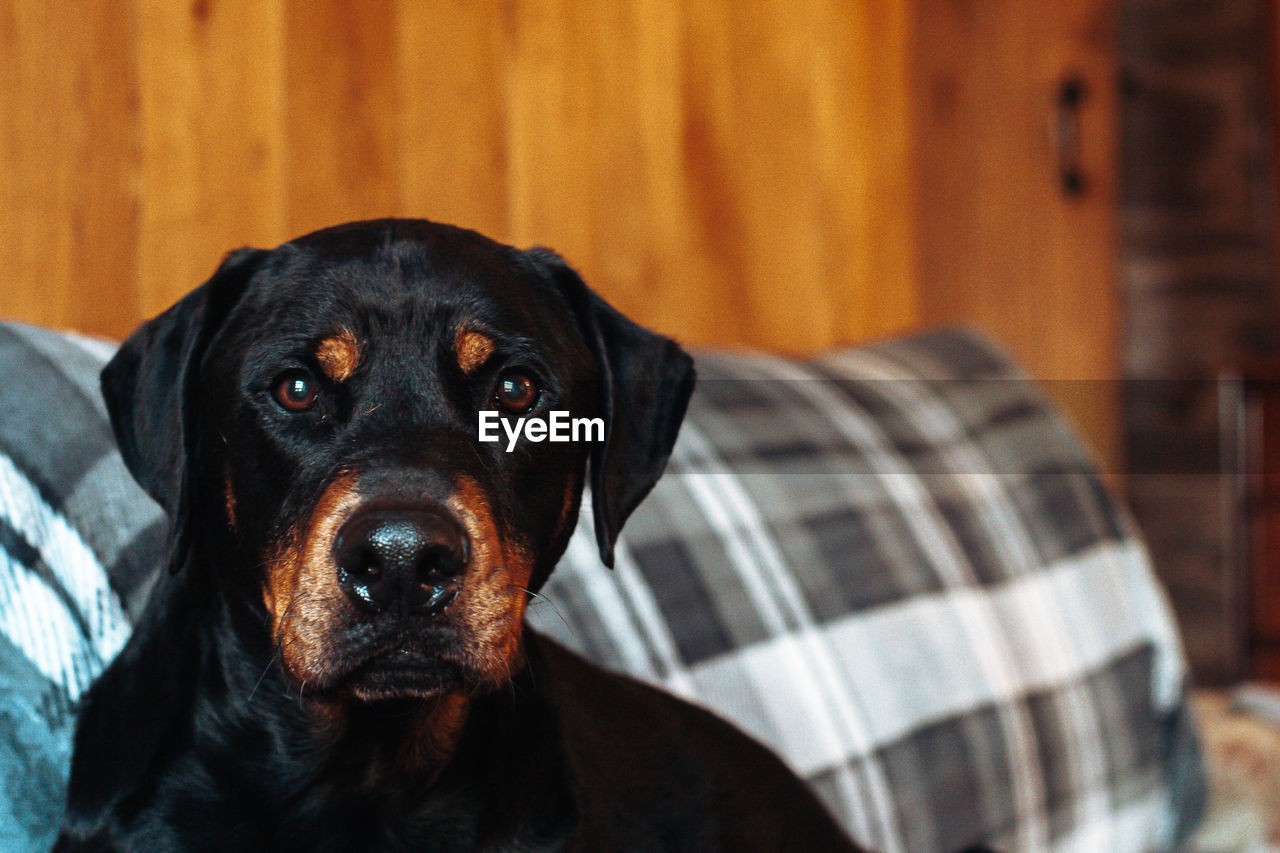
200,737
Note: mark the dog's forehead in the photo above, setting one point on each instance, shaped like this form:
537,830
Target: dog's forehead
399,277
404,265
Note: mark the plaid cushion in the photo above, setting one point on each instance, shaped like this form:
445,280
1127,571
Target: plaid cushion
893,565
77,541
898,568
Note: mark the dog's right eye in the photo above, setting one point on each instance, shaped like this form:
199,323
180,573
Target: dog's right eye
295,391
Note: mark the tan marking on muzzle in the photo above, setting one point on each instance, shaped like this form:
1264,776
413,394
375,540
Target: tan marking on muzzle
339,355
302,592
229,496
492,601
473,349
567,519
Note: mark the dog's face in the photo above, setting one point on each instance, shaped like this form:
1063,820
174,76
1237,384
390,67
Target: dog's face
310,419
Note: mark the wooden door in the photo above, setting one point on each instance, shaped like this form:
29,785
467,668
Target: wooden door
1014,129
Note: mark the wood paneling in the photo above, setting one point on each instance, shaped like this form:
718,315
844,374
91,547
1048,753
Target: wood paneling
782,175
213,171
341,112
451,61
731,174
68,143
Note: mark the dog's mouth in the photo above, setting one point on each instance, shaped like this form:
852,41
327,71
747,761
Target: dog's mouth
401,674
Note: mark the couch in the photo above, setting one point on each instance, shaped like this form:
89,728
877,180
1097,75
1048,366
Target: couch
896,565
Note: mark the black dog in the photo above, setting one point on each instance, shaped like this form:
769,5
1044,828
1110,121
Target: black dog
336,660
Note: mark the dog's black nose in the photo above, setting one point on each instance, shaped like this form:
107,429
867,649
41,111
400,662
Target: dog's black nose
406,558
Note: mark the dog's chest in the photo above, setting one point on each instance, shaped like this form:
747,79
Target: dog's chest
480,802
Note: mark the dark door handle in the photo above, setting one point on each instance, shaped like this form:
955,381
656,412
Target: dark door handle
1072,92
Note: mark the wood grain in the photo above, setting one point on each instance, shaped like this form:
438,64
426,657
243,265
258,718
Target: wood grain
341,112
453,134
213,130
68,202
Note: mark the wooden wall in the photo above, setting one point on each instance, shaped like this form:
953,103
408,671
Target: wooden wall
733,173
725,178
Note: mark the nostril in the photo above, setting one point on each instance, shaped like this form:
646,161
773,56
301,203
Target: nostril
438,563
437,598
360,561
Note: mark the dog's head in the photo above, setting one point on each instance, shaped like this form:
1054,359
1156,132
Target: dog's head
310,419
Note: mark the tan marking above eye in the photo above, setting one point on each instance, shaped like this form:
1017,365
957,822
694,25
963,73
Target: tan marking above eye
473,349
339,355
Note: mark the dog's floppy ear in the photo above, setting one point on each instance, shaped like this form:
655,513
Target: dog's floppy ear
646,381
150,389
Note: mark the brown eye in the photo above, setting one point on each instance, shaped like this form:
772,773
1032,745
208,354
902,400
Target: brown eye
516,392
295,391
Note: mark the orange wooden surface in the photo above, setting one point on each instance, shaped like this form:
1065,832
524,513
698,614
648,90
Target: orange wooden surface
729,175
69,214
1002,244
783,175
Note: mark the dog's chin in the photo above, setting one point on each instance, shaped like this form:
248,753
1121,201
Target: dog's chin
394,677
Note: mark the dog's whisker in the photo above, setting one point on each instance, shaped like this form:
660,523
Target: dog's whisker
258,683
270,561
277,652
554,607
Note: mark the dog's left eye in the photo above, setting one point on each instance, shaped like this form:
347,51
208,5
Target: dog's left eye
295,391
517,392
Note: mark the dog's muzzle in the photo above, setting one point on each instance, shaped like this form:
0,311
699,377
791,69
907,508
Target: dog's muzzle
411,560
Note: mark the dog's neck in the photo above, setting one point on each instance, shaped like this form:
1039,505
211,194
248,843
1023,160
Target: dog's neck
414,738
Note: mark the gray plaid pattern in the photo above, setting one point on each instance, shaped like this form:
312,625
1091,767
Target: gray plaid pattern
78,542
897,567
894,565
